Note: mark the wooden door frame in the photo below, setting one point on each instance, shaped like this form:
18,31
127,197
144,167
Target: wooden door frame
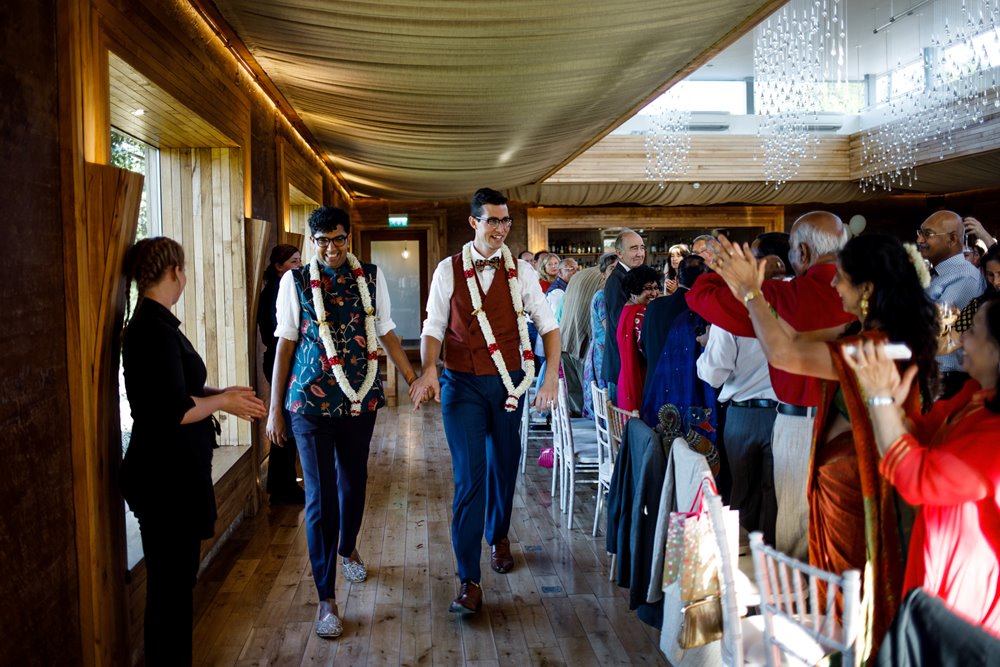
419,235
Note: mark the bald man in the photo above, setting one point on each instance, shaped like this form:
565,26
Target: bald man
955,281
807,302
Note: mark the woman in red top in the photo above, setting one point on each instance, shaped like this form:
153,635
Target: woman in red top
946,464
642,284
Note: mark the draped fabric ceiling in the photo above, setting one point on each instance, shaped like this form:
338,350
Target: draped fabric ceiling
431,99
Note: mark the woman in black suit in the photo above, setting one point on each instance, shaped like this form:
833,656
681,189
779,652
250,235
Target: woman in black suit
282,484
166,475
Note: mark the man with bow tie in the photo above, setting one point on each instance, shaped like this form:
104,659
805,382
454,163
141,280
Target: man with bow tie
477,306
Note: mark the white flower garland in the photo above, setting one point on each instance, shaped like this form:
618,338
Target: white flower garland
336,362
527,357
923,275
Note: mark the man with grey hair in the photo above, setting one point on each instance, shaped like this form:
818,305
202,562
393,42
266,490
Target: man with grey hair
807,302
631,252
702,246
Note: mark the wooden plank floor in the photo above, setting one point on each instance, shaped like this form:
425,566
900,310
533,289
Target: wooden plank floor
256,603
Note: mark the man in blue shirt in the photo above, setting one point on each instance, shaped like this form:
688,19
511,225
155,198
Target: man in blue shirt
954,281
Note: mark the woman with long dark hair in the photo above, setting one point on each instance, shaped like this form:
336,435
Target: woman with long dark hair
945,464
166,475
853,517
282,483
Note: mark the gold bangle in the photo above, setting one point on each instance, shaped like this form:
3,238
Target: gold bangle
750,296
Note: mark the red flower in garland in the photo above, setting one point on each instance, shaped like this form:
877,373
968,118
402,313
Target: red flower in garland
358,272
337,361
313,284
372,356
527,355
469,273
511,273
493,347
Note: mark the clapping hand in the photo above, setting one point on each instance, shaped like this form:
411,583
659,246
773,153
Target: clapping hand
877,374
737,266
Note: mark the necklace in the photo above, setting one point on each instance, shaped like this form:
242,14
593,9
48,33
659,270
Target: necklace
336,362
527,357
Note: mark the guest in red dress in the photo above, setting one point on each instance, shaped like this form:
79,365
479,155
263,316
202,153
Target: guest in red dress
946,464
642,284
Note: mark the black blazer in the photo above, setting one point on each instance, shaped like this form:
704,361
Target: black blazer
166,475
614,302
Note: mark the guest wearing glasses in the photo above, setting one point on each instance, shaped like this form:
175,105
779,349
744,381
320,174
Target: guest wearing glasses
642,285
477,310
330,314
954,282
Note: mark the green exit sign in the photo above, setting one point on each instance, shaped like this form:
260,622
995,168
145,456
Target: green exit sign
399,220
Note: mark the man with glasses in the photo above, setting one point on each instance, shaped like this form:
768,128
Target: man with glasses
324,355
483,351
954,281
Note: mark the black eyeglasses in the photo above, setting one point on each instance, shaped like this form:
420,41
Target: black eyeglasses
497,222
324,241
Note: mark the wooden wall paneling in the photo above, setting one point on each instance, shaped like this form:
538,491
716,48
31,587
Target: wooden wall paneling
541,220
299,241
203,205
112,213
256,248
197,70
723,158
298,225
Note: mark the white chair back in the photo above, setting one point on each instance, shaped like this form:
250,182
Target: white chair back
732,627
800,623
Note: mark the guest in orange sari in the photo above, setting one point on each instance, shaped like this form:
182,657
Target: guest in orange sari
642,284
853,522
946,464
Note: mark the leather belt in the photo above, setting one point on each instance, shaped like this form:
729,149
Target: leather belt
796,410
755,403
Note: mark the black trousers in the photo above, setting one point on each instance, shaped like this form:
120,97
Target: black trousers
751,464
172,555
281,477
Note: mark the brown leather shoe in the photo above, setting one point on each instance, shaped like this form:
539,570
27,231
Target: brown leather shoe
469,600
501,561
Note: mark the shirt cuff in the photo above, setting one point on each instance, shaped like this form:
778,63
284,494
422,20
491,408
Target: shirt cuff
289,333
897,451
382,327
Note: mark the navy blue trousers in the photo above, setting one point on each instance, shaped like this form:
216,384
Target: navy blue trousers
334,457
485,451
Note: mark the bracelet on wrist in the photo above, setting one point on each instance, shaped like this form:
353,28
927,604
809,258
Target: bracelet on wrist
878,401
750,296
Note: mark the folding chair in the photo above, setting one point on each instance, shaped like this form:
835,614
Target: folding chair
800,625
578,453
605,462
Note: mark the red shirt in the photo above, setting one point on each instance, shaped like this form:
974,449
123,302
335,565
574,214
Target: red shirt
807,303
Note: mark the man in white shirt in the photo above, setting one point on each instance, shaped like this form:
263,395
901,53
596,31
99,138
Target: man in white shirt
477,308
738,365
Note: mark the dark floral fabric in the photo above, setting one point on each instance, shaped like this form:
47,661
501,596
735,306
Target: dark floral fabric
312,387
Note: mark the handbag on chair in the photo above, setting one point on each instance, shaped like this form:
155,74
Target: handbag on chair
691,570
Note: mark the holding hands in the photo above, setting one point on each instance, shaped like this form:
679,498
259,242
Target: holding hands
425,388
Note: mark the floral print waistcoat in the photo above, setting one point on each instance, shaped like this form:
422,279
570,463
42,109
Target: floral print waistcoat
312,387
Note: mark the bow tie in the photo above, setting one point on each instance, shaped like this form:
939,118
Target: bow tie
495,262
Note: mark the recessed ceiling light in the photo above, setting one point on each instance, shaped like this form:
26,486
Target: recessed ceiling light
696,185
138,112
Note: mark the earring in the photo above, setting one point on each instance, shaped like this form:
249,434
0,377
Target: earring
863,307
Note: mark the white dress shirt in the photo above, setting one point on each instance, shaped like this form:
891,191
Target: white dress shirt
290,310
737,364
443,286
